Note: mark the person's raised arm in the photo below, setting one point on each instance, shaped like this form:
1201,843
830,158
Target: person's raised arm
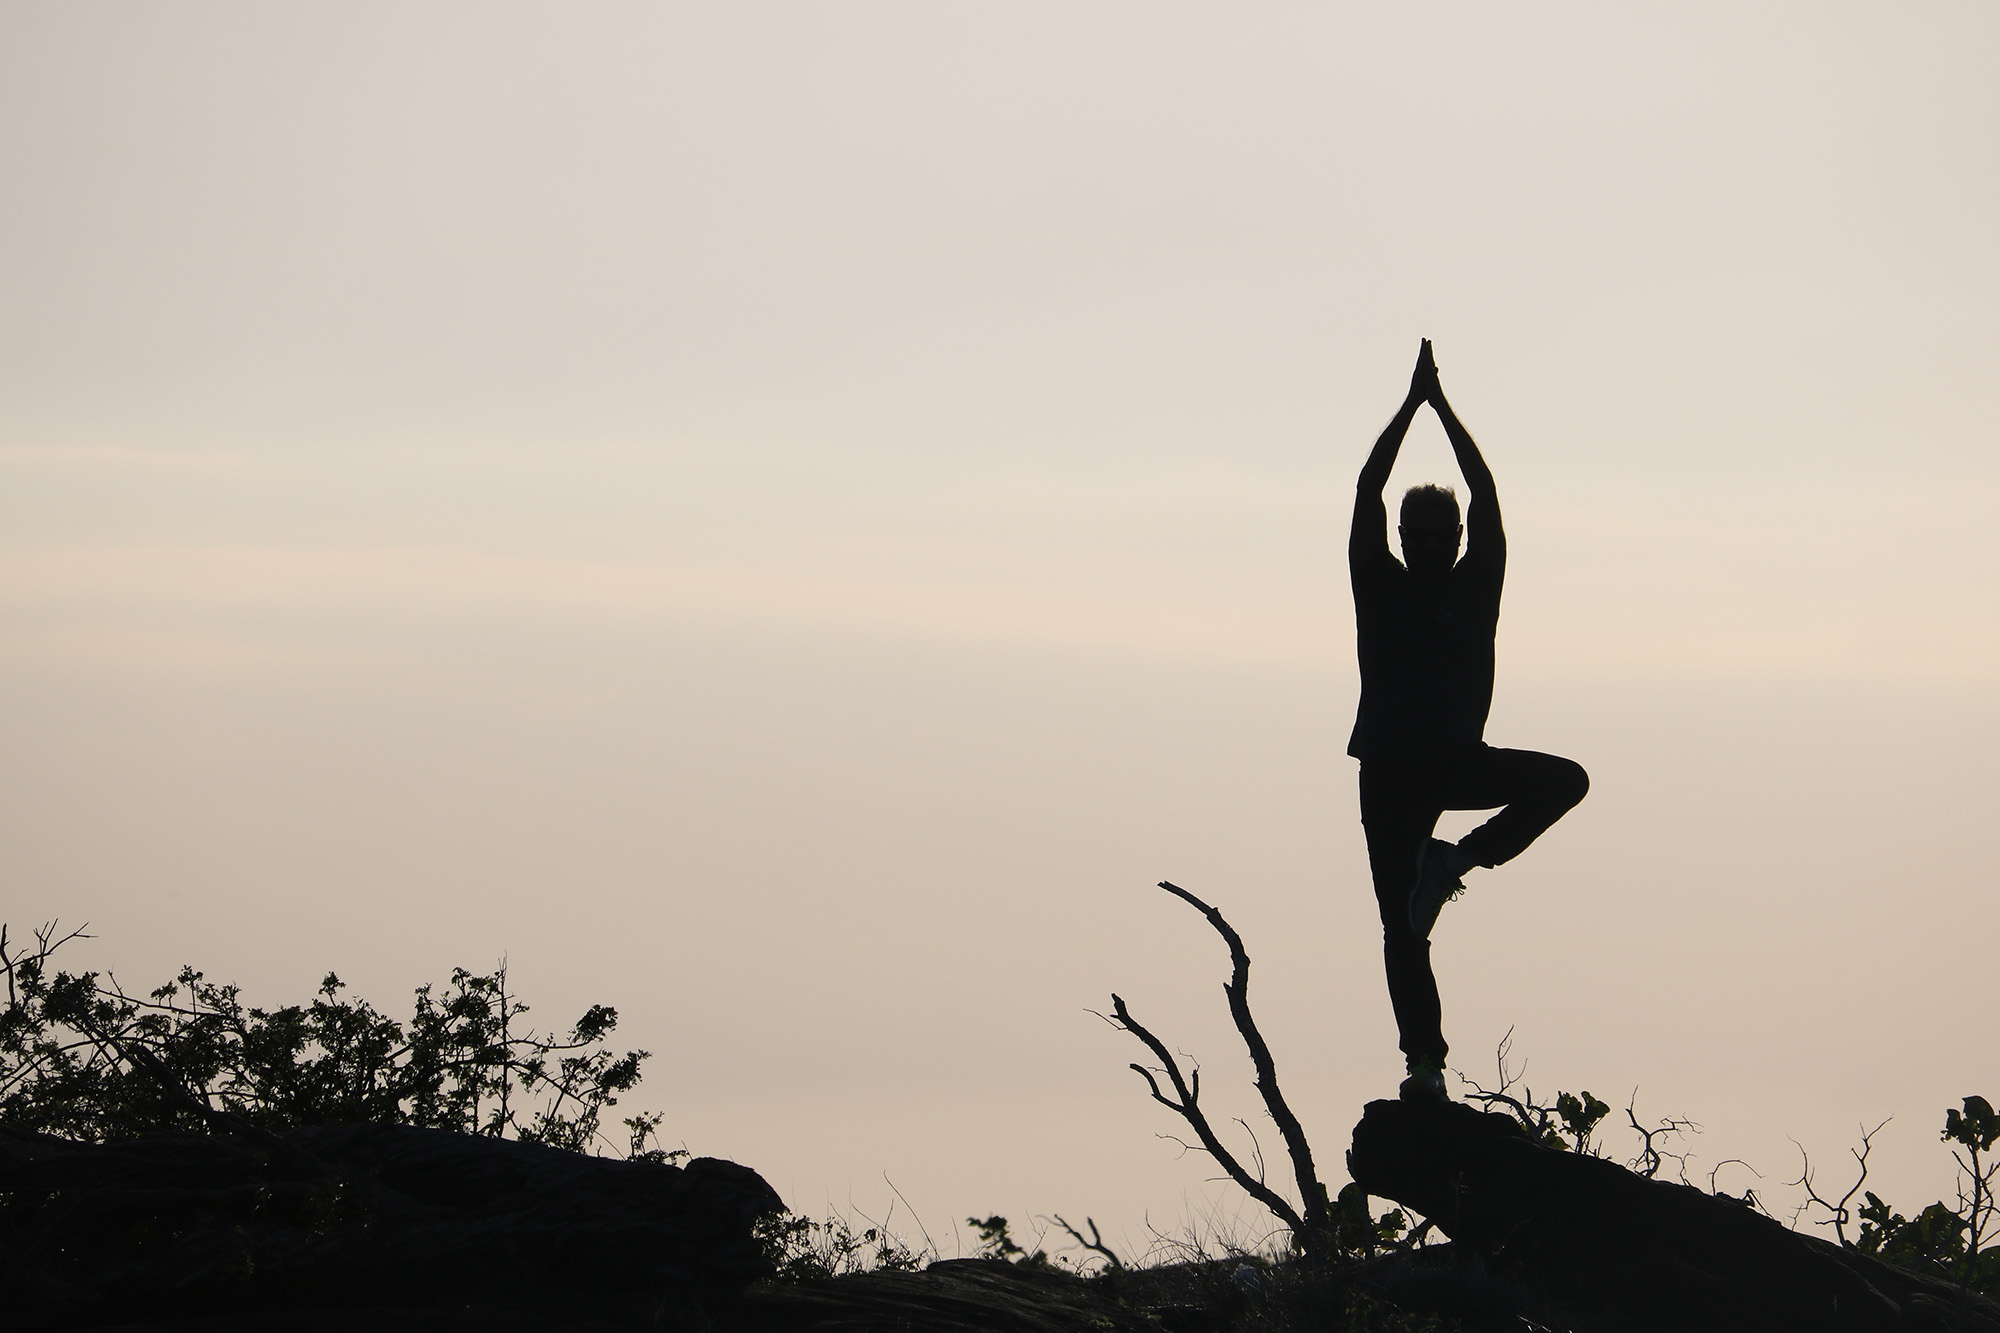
1484,536
1368,539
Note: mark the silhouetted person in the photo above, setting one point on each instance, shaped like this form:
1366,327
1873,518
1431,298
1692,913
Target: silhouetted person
1424,631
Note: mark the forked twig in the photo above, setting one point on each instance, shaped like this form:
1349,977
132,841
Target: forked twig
1189,1109
1838,1215
1096,1242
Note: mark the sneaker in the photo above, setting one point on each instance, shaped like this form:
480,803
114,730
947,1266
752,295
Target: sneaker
1425,1084
1435,887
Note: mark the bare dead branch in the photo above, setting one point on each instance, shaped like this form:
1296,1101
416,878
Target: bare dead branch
1749,1195
1533,1118
1187,1109
1096,1242
1318,1209
1256,1148
1649,1154
1838,1215
928,1242
47,941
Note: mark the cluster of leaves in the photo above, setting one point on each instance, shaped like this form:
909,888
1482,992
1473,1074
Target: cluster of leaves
1951,1243
803,1250
1567,1124
996,1241
1360,1233
806,1250
82,1058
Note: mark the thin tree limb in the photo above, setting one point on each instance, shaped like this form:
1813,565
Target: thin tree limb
1317,1207
1095,1243
1187,1109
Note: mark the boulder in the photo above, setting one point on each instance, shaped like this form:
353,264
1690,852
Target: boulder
1591,1245
347,1216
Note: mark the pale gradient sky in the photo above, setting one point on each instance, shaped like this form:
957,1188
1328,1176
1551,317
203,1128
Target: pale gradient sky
788,519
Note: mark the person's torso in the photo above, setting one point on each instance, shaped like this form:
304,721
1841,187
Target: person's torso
1425,643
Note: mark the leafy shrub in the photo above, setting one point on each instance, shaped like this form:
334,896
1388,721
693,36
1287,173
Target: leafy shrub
82,1058
806,1251
1951,1243
1568,1124
996,1241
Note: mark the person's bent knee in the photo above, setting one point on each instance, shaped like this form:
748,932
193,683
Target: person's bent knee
1575,784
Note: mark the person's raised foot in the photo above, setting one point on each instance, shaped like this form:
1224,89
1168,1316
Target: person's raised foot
1425,1084
1436,885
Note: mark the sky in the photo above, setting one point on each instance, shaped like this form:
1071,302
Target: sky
789,519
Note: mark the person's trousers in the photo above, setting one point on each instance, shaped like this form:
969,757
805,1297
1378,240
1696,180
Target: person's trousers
1400,806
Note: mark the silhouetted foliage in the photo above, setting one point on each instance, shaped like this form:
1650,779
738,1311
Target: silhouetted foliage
1569,1123
996,1241
82,1058
803,1250
1951,1243
85,1061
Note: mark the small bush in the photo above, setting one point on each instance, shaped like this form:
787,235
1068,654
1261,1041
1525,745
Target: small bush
82,1058
803,1250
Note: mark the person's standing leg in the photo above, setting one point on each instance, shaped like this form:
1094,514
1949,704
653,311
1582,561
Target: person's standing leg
1396,820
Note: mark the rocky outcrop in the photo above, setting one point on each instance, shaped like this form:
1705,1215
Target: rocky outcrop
175,1226
1585,1244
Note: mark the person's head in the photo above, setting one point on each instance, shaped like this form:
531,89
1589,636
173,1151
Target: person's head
1430,527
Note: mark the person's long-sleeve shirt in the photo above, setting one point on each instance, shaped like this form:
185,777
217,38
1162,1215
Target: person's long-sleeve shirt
1425,641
